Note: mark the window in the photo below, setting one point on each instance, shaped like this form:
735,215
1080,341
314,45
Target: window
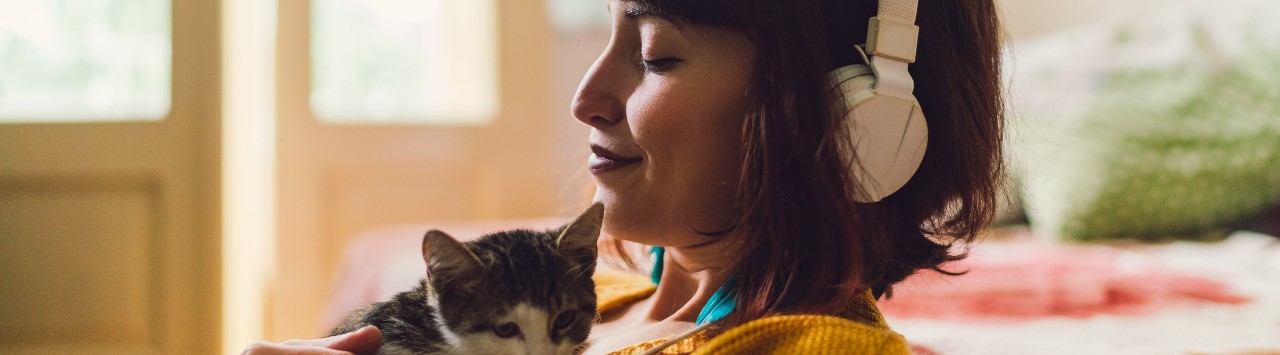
84,60
404,61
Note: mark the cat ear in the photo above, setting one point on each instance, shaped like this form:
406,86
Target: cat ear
446,256
578,238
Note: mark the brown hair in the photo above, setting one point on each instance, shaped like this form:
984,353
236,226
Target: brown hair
808,246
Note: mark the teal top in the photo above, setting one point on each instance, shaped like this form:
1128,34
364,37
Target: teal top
721,302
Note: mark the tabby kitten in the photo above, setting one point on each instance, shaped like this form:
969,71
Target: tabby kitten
512,292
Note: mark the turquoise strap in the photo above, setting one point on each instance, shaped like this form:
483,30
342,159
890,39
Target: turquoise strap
656,275
721,302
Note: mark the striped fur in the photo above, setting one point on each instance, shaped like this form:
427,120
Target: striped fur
537,281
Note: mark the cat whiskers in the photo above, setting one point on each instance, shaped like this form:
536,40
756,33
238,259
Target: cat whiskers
577,272
454,349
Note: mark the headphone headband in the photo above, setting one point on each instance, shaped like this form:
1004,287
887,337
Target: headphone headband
901,10
893,33
892,38
890,134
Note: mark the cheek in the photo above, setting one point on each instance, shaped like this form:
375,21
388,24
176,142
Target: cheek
653,112
687,126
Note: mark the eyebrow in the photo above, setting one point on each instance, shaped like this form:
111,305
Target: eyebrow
638,12
635,9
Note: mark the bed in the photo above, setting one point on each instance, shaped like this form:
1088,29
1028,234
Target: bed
1024,295
1144,161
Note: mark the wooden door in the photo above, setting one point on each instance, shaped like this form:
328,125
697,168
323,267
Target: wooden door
337,179
109,230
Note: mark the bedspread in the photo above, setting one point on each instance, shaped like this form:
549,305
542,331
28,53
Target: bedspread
1029,296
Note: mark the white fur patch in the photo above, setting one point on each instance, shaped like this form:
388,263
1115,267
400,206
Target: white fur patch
450,338
535,336
534,323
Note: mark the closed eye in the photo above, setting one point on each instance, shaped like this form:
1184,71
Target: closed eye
659,65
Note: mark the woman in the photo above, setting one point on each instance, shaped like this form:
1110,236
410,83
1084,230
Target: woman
717,137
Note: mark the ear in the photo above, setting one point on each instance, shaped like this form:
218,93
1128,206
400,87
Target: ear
577,240
446,257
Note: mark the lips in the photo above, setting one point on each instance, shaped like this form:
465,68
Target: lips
603,160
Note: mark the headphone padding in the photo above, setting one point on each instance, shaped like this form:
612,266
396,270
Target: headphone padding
890,134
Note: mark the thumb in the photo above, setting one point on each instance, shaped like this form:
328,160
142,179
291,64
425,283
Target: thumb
365,340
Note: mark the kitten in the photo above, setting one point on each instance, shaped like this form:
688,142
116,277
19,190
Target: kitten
512,292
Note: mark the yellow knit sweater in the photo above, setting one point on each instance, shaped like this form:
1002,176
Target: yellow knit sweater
859,329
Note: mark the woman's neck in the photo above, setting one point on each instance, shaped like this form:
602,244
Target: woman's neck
690,275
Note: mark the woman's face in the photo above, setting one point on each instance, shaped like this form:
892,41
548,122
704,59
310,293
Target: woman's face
665,105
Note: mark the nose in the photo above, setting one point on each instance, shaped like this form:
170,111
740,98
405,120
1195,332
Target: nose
541,346
601,97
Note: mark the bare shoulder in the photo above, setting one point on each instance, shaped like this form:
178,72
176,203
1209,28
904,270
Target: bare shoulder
807,334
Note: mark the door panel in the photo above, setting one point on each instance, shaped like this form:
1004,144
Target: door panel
106,227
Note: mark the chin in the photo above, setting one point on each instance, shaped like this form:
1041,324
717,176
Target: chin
647,223
628,233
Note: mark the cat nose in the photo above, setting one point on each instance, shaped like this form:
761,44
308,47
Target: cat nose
542,346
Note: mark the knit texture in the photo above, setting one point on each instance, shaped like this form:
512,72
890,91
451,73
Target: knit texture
615,288
859,328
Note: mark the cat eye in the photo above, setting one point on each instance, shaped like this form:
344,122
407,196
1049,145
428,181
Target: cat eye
564,320
506,330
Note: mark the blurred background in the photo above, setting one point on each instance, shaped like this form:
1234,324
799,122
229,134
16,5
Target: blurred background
184,176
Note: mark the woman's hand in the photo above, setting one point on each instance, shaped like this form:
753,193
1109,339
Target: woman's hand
363,341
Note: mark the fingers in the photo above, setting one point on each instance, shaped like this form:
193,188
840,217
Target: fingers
265,348
364,341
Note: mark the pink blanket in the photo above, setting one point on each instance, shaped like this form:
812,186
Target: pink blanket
1027,296
1027,280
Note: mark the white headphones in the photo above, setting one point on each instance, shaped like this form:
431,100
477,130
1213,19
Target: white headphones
889,131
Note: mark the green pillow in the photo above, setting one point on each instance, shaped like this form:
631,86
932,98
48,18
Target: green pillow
1166,128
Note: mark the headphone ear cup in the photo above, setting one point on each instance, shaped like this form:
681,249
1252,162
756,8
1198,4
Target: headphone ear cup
889,133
